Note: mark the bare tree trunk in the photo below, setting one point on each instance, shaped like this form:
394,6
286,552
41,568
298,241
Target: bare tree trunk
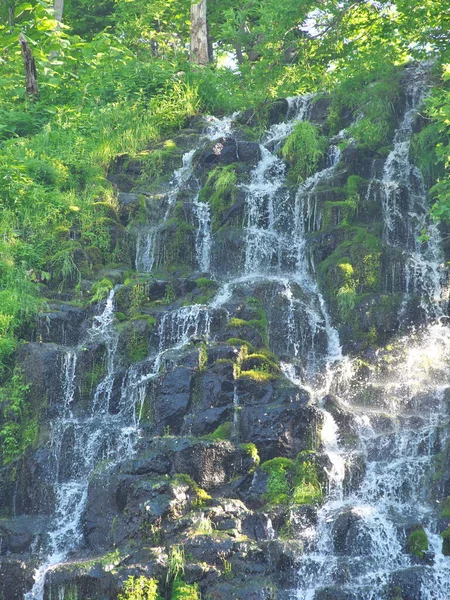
58,7
11,16
199,34
31,84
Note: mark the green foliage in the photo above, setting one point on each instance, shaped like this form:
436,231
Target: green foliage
417,543
18,422
176,563
352,269
446,542
220,192
140,588
184,591
424,153
303,149
222,432
101,289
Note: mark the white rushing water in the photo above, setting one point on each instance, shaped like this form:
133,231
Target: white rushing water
105,433
183,180
380,478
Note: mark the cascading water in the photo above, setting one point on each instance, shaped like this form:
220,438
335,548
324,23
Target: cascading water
147,236
358,550
80,443
403,194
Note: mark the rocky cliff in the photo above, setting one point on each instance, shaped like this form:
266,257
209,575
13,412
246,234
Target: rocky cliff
240,403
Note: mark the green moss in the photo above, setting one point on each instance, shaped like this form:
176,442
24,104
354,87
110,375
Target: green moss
239,342
252,451
303,149
260,376
201,497
260,362
307,488
100,290
234,322
446,542
417,543
278,486
136,347
292,482
222,432
91,378
353,269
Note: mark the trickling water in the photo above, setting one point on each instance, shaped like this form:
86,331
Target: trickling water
203,236
147,237
405,209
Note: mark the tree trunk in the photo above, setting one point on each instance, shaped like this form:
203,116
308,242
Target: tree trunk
31,84
199,34
11,16
58,7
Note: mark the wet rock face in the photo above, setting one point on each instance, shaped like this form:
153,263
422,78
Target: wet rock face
181,441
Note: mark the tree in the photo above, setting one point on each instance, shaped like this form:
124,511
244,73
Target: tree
199,34
58,7
31,84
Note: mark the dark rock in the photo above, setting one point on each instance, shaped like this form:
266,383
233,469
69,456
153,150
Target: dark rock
212,464
256,589
127,199
279,429
220,152
18,534
249,152
349,536
16,578
334,593
319,110
209,549
407,583
42,368
257,526
171,401
62,324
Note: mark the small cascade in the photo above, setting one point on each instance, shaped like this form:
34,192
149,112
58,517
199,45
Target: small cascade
147,237
179,326
203,236
405,210
360,539
69,370
299,108
307,217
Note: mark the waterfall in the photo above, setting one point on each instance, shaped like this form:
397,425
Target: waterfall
79,444
358,548
405,209
147,236
378,461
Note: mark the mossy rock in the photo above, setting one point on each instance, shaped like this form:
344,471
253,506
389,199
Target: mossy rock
417,543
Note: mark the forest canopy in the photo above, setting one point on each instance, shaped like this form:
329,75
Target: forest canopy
114,76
